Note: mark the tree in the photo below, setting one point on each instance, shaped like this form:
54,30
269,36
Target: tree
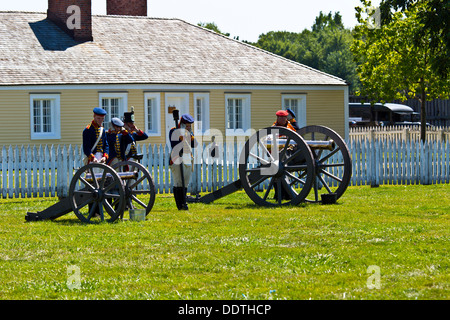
212,26
325,47
327,21
282,43
393,64
435,23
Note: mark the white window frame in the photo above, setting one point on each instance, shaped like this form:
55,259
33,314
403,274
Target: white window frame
55,123
201,127
246,114
156,113
300,113
123,104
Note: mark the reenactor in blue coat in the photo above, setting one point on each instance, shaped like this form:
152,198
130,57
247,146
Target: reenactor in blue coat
291,119
118,140
95,144
181,139
137,135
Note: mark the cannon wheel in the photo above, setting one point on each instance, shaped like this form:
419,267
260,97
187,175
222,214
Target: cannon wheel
93,198
333,168
137,190
272,178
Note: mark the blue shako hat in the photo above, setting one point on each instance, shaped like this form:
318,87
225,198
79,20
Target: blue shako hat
186,118
291,112
99,111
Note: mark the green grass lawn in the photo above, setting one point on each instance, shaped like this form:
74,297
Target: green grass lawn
232,249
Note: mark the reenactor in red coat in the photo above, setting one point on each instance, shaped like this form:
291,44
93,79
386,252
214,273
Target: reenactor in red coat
282,120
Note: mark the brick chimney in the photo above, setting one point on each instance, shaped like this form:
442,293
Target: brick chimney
126,7
76,23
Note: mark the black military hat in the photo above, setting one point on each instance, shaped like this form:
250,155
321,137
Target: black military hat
128,116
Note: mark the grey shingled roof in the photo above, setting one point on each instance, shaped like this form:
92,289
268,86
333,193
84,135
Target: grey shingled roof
141,50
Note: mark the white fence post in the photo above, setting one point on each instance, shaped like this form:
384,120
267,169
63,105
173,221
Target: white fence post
4,172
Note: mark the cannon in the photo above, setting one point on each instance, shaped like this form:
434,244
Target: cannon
279,167
101,192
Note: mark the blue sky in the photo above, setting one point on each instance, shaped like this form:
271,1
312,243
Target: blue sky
244,18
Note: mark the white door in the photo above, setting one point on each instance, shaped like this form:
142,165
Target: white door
181,102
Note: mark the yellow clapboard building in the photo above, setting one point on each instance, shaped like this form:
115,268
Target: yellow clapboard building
51,78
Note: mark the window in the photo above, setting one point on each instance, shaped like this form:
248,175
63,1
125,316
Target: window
201,113
152,114
45,120
238,120
115,105
297,103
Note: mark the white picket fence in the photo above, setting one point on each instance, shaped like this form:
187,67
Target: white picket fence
389,161
399,133
43,171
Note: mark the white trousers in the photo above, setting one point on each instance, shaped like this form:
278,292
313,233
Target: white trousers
176,174
98,156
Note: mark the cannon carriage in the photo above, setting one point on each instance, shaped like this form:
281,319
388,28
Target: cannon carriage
101,192
277,167
280,167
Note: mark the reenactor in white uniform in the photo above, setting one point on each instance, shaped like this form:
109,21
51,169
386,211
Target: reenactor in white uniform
181,140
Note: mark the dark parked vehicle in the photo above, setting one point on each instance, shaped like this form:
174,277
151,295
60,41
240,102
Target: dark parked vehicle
379,114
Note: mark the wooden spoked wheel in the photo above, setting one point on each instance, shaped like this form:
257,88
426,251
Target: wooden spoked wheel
333,168
140,190
276,167
96,193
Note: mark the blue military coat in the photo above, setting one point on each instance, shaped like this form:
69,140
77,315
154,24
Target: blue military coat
118,142
174,142
137,136
90,135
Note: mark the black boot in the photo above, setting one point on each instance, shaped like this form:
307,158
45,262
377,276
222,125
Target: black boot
176,195
183,204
